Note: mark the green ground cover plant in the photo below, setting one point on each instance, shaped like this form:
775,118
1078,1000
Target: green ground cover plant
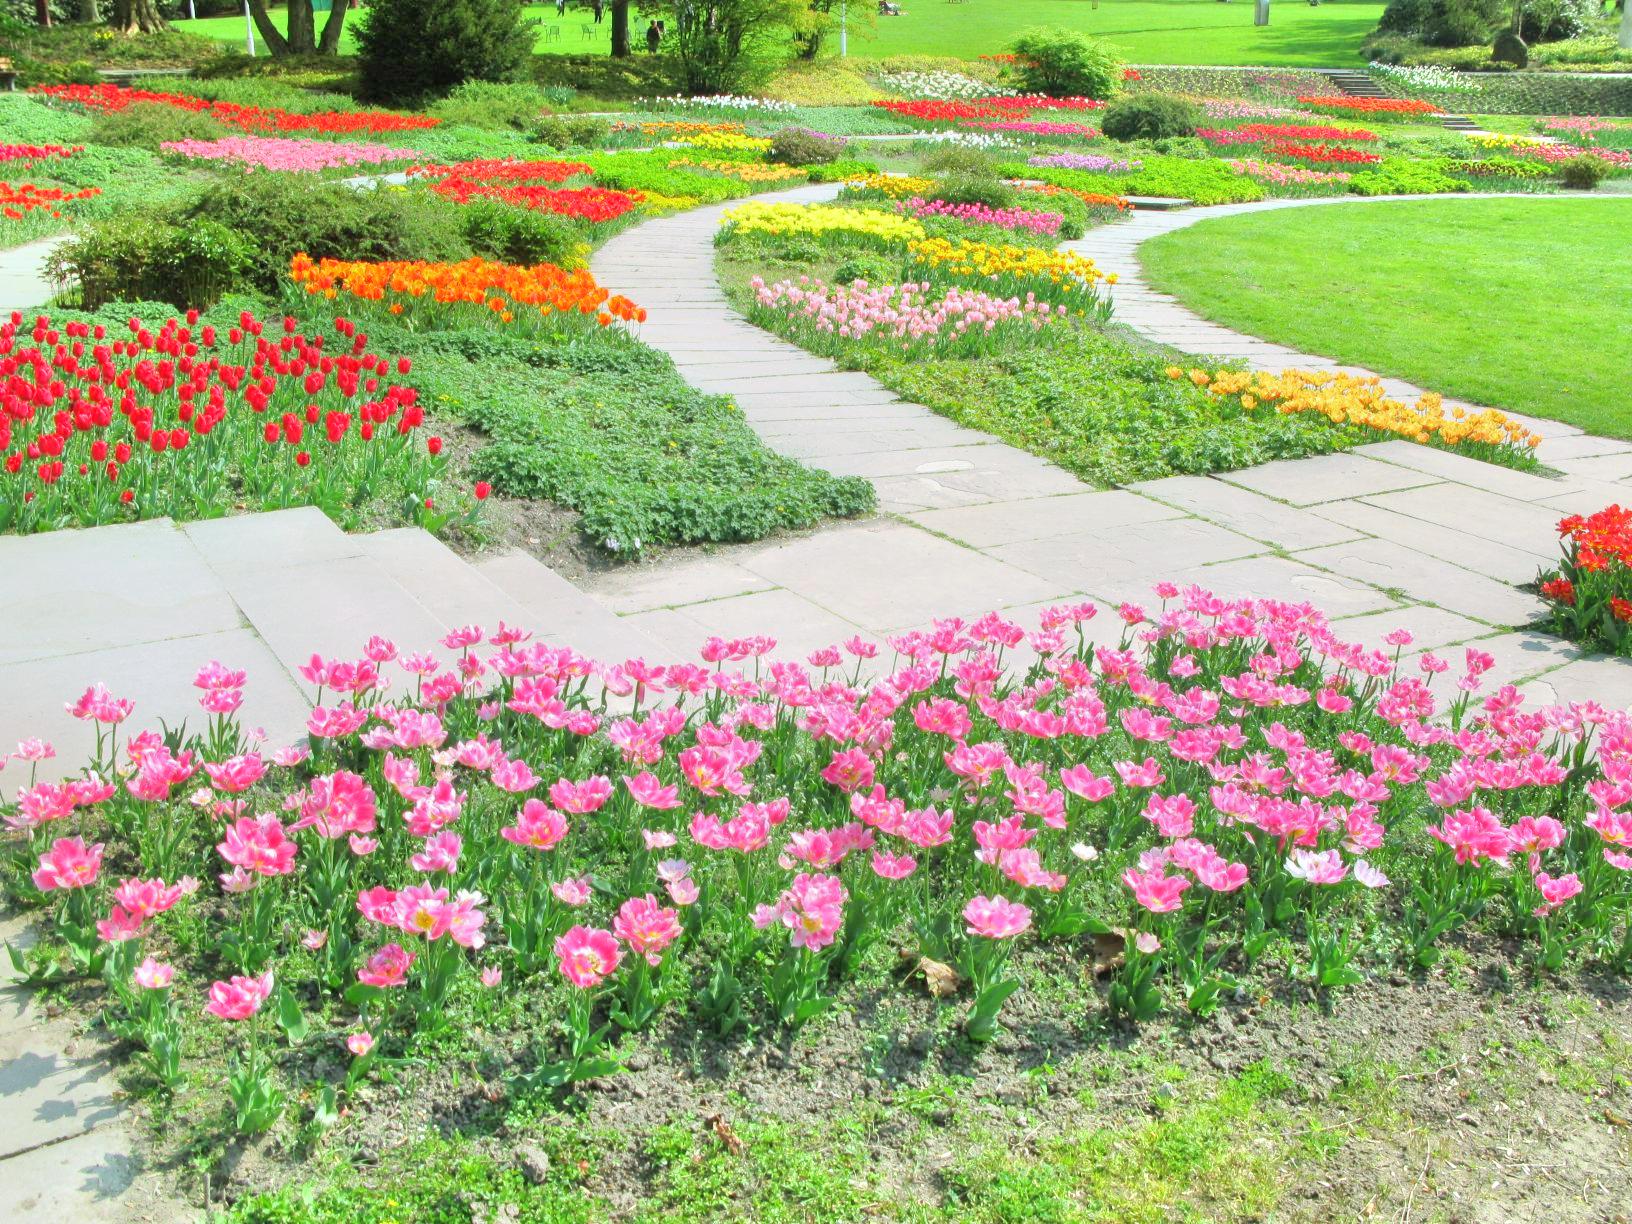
1355,283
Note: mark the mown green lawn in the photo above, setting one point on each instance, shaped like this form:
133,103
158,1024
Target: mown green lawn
1147,31
1520,304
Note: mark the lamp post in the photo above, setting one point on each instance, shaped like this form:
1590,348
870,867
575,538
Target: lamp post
844,29
249,31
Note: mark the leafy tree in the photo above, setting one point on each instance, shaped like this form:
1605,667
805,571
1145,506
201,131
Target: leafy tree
410,48
725,46
1065,64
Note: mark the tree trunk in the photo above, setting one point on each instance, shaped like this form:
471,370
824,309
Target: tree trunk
275,42
132,17
42,13
330,44
300,33
620,28
1626,26
87,12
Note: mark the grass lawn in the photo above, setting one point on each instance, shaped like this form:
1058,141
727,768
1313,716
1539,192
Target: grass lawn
1147,31
1510,303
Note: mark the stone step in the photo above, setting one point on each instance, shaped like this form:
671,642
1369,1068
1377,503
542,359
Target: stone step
448,586
557,611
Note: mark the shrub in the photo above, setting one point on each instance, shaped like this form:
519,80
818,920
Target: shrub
492,104
844,168
1399,177
561,133
958,159
522,236
794,146
991,191
286,215
409,48
140,256
150,124
874,269
1149,117
1065,64
1583,173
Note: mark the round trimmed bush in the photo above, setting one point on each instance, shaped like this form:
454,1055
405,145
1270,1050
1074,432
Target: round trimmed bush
1583,173
796,146
1065,64
974,189
1149,116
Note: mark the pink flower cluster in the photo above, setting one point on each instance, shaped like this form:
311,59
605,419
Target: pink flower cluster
1045,224
1225,108
907,315
287,153
1085,161
1282,174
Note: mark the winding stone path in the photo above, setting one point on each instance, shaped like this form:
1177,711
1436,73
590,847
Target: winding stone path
23,284
1388,534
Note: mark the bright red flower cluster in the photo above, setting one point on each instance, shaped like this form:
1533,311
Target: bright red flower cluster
247,118
1324,154
27,155
505,170
931,110
22,198
183,421
592,204
1369,106
1591,591
1257,133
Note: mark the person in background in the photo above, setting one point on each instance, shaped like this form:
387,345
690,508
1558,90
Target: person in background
560,8
600,8
653,37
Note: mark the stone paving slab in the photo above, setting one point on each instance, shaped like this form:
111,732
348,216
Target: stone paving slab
798,625
1464,469
1283,578
1249,513
885,576
1512,565
1107,562
68,592
244,543
1502,520
557,611
1391,566
99,1177
1431,628
998,523
673,584
441,581
1325,478
158,676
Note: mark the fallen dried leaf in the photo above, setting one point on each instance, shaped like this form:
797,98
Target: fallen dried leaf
941,980
723,1132
1615,1119
1109,951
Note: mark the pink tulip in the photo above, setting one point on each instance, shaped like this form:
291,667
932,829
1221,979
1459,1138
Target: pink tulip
587,956
239,997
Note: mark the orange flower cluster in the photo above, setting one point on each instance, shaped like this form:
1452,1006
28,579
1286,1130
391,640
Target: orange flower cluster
495,288
1094,199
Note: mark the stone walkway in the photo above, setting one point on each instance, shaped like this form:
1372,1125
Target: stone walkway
23,285
1389,534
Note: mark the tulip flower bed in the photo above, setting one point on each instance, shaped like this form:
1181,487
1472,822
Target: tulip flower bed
1590,591
1039,224
475,291
1341,398
1395,110
272,121
505,170
1233,794
286,154
1084,161
26,156
1258,133
1321,154
17,201
1060,277
186,421
1291,180
594,205
910,319
819,221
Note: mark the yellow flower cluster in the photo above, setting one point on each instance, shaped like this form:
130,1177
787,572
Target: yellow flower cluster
1347,399
651,201
675,129
747,172
965,258
727,142
1497,140
896,186
770,217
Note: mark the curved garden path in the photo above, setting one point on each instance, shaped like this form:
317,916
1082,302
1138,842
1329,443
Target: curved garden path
1389,534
